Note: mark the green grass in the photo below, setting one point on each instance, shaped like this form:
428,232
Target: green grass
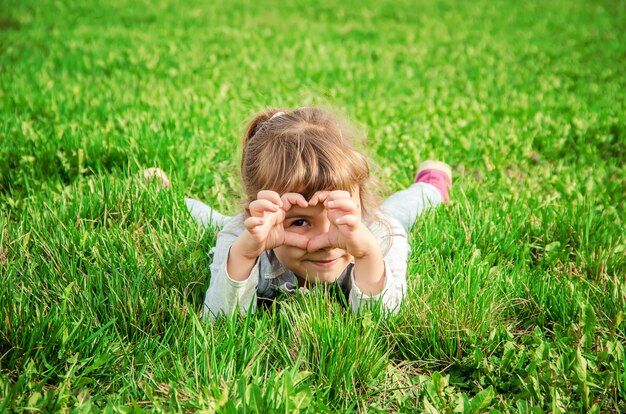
517,289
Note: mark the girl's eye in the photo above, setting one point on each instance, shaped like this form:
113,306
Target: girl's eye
299,223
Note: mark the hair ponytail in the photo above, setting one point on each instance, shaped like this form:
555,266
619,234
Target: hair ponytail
254,126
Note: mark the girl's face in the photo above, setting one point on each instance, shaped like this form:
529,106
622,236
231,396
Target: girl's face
325,264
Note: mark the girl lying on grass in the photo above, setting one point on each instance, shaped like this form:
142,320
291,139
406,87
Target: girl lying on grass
310,217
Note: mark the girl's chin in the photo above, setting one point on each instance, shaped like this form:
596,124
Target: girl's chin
322,277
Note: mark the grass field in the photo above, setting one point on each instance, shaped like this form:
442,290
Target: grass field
517,288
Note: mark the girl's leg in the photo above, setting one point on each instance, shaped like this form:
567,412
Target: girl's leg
429,190
205,215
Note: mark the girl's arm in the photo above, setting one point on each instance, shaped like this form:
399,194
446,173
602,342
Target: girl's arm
393,241
242,257
369,268
225,295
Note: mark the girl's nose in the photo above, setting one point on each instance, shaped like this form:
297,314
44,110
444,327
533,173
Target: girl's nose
318,233
321,228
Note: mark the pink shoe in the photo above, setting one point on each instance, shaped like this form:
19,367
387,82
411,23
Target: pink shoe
436,173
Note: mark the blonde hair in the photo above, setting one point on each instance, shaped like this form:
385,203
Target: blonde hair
304,150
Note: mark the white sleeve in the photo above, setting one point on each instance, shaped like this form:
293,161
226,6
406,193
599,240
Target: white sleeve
224,294
395,259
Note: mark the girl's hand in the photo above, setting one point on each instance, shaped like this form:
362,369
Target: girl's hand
264,230
348,232
265,224
157,176
346,229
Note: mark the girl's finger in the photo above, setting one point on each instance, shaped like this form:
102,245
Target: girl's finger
252,222
318,242
292,199
258,207
319,197
271,196
296,240
337,194
343,204
349,220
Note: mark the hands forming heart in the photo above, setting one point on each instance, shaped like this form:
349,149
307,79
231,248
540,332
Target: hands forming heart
266,223
329,220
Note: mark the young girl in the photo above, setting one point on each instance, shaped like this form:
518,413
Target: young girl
310,218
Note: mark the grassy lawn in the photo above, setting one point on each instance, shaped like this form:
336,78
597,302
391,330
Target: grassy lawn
517,289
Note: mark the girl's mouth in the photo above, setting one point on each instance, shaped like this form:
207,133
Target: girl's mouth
324,263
